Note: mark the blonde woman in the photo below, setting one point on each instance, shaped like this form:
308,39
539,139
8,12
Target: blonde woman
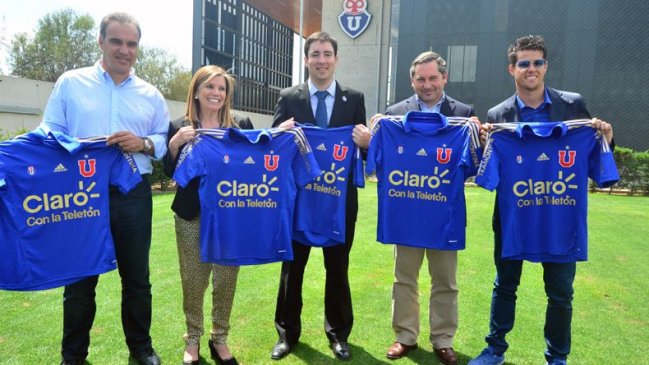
208,106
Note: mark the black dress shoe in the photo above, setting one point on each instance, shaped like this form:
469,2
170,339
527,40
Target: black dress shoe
341,350
146,357
280,350
215,355
73,362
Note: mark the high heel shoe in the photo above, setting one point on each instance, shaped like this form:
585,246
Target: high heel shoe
215,355
194,362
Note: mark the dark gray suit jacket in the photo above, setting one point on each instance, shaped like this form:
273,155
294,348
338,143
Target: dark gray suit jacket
295,102
450,107
349,109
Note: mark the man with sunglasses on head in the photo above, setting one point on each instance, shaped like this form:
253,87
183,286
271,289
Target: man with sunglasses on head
532,102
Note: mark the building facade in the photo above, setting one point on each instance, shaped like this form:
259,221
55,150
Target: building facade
596,48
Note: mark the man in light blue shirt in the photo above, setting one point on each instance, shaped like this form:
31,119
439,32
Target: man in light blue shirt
107,99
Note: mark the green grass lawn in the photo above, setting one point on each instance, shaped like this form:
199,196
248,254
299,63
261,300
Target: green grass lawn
610,310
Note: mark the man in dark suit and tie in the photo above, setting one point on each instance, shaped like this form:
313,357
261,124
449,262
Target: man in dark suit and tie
532,102
325,102
428,77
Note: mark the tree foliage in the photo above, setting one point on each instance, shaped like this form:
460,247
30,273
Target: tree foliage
63,41
162,70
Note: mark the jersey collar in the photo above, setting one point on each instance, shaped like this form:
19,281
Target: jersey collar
254,136
416,122
541,129
49,136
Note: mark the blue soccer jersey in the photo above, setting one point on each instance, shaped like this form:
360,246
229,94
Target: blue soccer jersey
421,165
54,211
541,171
320,211
247,191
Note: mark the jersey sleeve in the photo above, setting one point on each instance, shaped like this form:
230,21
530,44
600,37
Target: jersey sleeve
305,166
124,173
487,175
3,173
374,152
190,164
359,173
602,167
473,151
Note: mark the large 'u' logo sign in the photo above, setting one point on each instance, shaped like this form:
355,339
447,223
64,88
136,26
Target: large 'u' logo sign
571,158
444,155
87,171
271,165
340,152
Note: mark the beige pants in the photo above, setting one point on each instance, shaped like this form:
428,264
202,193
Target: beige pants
442,306
195,275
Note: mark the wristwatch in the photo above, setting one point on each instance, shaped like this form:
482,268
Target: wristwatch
148,145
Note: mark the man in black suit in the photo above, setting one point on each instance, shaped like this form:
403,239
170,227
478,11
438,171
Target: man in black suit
344,106
428,77
532,102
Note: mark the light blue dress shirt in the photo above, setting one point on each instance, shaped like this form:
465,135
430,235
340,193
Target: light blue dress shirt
86,103
329,101
435,108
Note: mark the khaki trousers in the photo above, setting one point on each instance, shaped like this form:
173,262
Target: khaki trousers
195,275
442,306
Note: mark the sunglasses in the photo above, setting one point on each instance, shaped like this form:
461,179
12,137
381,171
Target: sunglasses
526,63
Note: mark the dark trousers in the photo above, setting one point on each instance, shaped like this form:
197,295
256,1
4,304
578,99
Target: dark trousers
130,224
558,279
339,316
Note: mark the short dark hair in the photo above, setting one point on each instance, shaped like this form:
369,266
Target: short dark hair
427,57
527,43
320,37
119,17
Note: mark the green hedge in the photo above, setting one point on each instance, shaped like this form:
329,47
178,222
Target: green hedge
158,178
633,167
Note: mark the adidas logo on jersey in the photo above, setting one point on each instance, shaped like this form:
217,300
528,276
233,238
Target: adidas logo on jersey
60,168
249,160
422,152
543,157
321,147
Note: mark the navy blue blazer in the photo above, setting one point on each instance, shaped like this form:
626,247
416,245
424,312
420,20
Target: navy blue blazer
450,107
565,106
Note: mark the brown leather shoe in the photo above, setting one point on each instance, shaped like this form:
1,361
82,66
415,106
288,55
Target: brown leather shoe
399,350
446,356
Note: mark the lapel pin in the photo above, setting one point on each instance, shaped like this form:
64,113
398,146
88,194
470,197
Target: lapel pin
344,98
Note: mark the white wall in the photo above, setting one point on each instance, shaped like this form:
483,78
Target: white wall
22,102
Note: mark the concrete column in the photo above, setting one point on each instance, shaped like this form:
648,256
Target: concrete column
363,62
